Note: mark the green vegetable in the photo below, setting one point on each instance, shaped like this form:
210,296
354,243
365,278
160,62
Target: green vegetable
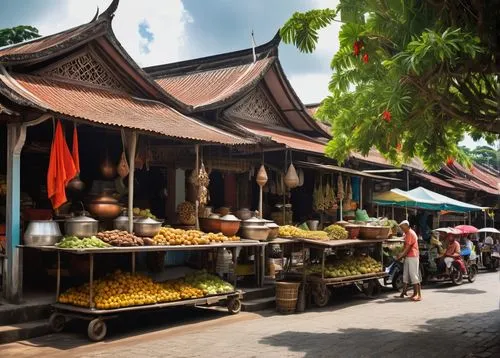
72,242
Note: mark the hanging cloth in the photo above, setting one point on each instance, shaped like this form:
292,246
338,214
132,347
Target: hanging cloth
75,151
61,169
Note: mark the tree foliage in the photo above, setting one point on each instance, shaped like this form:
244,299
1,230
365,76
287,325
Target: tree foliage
10,36
411,77
484,155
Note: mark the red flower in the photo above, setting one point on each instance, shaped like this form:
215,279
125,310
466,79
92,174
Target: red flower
399,147
386,116
365,58
450,161
358,45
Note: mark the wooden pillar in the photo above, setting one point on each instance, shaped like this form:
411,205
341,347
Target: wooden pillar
171,190
13,288
131,160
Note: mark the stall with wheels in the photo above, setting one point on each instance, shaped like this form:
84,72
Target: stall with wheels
97,314
336,263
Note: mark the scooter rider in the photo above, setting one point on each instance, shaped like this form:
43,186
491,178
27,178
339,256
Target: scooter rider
452,252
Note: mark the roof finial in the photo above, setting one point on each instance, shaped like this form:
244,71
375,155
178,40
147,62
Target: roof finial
110,11
96,15
253,48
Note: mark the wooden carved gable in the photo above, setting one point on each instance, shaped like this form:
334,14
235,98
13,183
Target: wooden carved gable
256,107
84,67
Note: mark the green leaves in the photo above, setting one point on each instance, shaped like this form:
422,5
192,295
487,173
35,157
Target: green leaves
302,28
10,36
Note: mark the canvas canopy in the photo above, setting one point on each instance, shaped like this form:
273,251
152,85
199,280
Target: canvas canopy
422,198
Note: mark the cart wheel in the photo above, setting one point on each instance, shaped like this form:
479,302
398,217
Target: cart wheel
97,330
373,288
321,295
234,305
57,322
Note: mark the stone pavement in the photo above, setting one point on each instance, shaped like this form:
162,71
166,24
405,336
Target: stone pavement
451,321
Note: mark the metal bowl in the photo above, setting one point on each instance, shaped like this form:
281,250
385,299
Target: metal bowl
274,231
42,233
105,207
254,232
147,227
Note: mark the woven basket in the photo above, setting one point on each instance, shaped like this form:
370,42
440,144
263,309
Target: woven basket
374,232
287,294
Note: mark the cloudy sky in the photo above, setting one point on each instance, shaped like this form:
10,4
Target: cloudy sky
163,31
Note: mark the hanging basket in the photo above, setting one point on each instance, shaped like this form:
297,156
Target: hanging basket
261,178
291,177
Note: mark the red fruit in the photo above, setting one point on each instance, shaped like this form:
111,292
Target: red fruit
365,58
450,161
358,45
386,116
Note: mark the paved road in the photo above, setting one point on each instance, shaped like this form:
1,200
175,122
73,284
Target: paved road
451,321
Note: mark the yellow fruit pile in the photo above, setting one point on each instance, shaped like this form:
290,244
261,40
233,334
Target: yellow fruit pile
124,290
170,236
292,231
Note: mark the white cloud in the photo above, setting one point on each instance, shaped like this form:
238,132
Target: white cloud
310,87
167,21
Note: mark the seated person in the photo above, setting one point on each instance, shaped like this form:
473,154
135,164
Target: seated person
451,253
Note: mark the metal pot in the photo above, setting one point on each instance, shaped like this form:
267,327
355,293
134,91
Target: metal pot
255,232
312,224
75,185
146,227
81,226
42,233
105,207
255,222
121,222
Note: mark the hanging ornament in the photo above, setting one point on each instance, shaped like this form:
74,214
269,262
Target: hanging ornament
291,177
261,178
203,178
358,45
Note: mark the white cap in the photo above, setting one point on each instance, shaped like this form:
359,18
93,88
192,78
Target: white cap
404,222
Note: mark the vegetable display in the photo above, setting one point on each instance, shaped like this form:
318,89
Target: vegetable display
292,231
337,232
348,266
170,236
73,242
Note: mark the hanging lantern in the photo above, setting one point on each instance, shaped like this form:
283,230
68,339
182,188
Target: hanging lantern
262,176
291,177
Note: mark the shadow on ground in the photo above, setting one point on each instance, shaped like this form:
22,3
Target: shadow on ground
124,326
468,335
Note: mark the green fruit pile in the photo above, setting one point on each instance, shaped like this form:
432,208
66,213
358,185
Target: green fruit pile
348,266
209,284
337,232
72,242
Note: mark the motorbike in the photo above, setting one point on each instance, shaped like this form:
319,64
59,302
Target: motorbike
490,255
394,276
434,271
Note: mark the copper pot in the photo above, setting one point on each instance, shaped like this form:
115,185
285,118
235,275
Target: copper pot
75,184
105,207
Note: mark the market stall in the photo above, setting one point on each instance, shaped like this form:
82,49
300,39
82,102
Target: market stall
94,303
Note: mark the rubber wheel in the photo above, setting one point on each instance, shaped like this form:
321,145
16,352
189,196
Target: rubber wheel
472,273
456,276
373,289
57,322
321,296
397,282
97,330
234,305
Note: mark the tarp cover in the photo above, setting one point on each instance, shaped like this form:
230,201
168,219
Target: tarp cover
422,198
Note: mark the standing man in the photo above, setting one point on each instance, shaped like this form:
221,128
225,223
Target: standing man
411,272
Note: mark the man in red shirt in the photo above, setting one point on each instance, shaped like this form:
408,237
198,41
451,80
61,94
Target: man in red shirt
411,273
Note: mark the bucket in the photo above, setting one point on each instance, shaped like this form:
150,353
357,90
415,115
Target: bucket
286,296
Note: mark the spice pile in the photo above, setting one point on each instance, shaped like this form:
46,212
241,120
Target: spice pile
120,238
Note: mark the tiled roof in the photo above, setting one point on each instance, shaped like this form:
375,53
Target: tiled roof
205,88
434,180
291,140
114,108
375,157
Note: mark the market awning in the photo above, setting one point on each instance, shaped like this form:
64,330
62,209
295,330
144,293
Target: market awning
422,198
347,171
292,140
114,108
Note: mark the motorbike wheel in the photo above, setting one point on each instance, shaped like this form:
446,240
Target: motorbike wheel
472,273
456,276
397,282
